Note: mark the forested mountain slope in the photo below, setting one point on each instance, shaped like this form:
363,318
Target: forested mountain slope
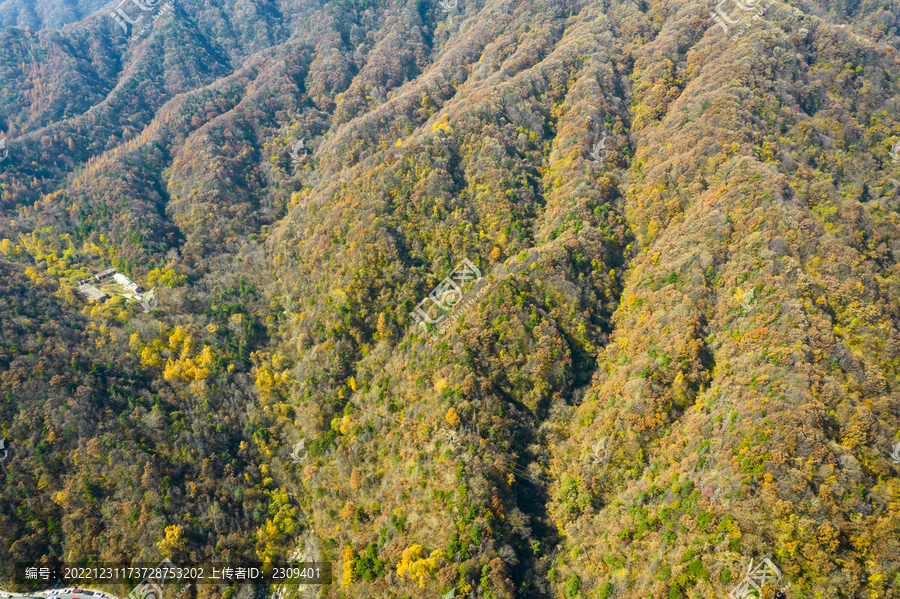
677,350
51,15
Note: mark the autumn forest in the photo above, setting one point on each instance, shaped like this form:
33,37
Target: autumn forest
485,299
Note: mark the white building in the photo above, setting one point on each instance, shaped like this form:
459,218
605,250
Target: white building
126,282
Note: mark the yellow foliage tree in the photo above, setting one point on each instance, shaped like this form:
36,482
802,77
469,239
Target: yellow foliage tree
173,542
203,363
264,379
412,562
345,424
180,340
172,371
271,538
149,357
349,567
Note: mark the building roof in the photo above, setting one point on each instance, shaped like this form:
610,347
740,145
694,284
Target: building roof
91,292
122,279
